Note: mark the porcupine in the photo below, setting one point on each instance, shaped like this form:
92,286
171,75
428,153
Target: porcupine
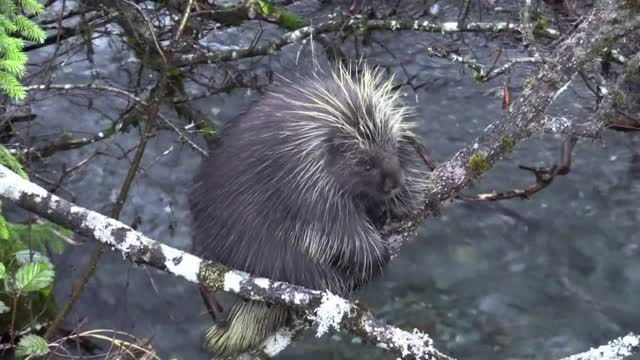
296,190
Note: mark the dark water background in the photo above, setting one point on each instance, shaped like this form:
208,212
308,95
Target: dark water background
534,279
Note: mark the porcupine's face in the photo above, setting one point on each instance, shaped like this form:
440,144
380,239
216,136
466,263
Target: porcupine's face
373,174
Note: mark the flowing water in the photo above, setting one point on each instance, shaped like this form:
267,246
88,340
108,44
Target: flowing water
540,279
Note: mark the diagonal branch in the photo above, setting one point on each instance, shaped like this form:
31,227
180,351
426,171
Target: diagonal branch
604,118
327,310
608,21
616,349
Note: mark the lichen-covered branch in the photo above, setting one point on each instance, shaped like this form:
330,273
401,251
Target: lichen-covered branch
569,126
606,117
132,244
544,176
202,55
616,349
326,310
528,27
480,71
607,22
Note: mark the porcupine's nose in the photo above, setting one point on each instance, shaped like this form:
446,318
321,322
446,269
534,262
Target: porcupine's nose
392,176
392,184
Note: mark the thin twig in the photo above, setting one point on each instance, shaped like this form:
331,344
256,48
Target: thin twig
544,177
121,92
150,125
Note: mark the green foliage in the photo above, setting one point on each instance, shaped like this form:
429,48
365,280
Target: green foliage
507,143
27,274
30,30
7,159
28,284
17,237
208,132
32,6
39,235
286,19
291,21
264,7
541,25
632,4
4,228
33,276
14,27
11,86
177,78
32,345
478,164
24,257
25,243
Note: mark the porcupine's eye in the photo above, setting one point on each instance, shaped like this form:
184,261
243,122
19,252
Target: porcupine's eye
368,166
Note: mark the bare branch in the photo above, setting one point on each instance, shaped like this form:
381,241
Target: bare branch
117,91
206,56
481,74
544,177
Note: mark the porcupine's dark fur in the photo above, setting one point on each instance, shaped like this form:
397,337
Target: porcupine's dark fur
296,187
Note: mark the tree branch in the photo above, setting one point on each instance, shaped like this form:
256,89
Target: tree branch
480,72
75,143
616,349
201,55
325,309
607,22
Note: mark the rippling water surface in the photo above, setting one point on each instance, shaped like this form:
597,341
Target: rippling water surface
517,279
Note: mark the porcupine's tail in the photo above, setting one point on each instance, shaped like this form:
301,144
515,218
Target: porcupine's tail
248,325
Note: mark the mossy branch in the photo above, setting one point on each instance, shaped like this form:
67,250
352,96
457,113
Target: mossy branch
257,10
